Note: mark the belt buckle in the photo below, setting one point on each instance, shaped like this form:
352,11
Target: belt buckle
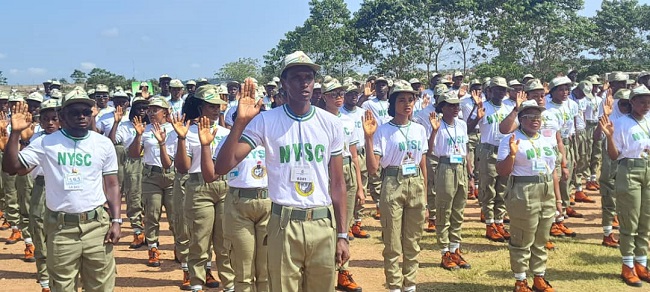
309,215
83,217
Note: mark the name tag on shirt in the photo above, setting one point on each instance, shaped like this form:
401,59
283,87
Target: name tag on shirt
301,174
409,169
72,182
547,132
233,174
456,159
539,166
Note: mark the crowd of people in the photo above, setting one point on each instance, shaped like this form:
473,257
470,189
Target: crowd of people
274,178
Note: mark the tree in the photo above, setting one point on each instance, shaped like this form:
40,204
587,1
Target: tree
434,30
103,76
78,76
3,80
239,70
63,81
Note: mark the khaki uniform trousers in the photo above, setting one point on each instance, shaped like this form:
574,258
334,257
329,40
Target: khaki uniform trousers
565,185
531,206
595,149
581,155
607,180
179,221
37,228
24,185
204,210
156,193
491,185
402,207
121,154
361,155
245,221
132,188
432,166
633,205
451,198
78,248
11,206
350,177
301,249
472,157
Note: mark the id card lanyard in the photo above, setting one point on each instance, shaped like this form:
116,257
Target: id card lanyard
538,152
456,149
406,137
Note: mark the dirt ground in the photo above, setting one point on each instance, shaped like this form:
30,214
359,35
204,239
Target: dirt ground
579,264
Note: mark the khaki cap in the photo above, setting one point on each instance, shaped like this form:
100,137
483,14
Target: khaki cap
498,81
458,74
50,104
447,80
47,82
529,104
272,83
593,80
475,82
617,76
317,86
56,82
175,83
557,81
334,84
139,99
402,86
159,101
121,94
352,88
4,96
101,88
639,91
209,94
234,83
144,84
164,76
440,89
528,76
203,80
118,88
514,82
586,87
35,96
16,97
449,97
534,84
77,95
299,58
276,80
623,94
415,81
191,82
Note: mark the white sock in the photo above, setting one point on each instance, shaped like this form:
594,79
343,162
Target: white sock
498,221
357,220
489,221
593,178
208,266
28,240
579,188
454,246
643,260
14,228
137,230
628,261
395,290
45,284
409,289
196,288
444,250
152,245
520,276
607,230
184,267
539,275
559,219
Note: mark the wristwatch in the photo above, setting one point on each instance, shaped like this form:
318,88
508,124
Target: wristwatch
343,236
117,220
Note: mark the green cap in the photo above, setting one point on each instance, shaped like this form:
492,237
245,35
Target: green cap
77,95
101,88
332,85
139,99
593,80
209,94
191,82
121,94
449,97
50,104
164,76
16,97
586,87
35,96
475,82
458,74
402,86
498,81
623,94
415,81
440,89
175,83
557,81
159,101
639,91
299,58
534,84
617,76
529,104
514,82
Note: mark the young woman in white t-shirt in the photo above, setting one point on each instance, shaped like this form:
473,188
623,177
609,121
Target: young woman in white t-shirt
628,142
528,160
399,147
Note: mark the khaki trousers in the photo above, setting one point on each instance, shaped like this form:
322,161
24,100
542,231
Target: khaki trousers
491,185
132,189
580,142
245,222
364,183
531,207
402,213
204,208
24,185
179,221
633,205
432,166
595,149
78,249
156,193
565,185
37,228
607,194
451,198
11,206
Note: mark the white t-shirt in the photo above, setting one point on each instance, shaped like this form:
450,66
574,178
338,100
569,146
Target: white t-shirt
593,105
350,137
356,115
466,106
36,138
451,139
417,106
566,112
631,137
294,143
125,133
151,147
228,116
422,118
176,105
193,145
106,122
250,172
103,111
267,101
379,109
82,161
489,124
551,124
582,104
231,104
393,143
535,156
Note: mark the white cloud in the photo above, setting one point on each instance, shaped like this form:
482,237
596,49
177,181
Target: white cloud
36,71
145,38
195,65
111,32
2,56
14,71
88,65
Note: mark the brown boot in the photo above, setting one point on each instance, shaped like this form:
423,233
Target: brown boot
615,223
211,281
549,245
5,225
471,194
541,285
610,241
556,231
502,230
431,226
566,230
16,236
448,262
482,217
522,286
493,234
350,235
630,277
581,197
358,232
642,272
154,257
459,260
346,283
591,186
186,281
377,215
572,201
138,241
572,213
29,253
45,290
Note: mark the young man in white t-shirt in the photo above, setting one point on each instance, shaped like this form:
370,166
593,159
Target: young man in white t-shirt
303,147
80,164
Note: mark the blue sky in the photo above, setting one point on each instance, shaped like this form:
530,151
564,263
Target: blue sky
185,39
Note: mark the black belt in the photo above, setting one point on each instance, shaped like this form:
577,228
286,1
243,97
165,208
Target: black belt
397,170
40,180
157,169
639,162
488,146
300,214
447,160
533,179
594,123
75,218
198,176
261,193
361,150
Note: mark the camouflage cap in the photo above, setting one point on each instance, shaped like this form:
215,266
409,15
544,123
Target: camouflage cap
640,91
77,95
101,88
528,104
449,97
458,74
415,81
299,58
332,85
623,94
586,87
617,76
4,96
191,82
593,80
50,104
498,81
402,86
557,81
164,77
159,101
352,88
631,82
121,93
534,84
440,89
475,82
175,83
144,84
16,97
209,94
272,83
139,99
514,82
528,76
35,96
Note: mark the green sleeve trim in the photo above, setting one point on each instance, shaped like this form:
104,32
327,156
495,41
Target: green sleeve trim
248,140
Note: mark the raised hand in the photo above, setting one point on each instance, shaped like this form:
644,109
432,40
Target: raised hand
95,111
426,100
138,125
476,96
4,138
606,126
20,117
435,123
159,133
514,145
608,106
367,89
481,111
462,91
177,122
27,134
248,108
521,97
118,114
4,121
369,124
606,85
206,134
546,89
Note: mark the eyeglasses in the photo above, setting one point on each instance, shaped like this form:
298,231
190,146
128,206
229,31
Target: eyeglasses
78,113
336,94
153,109
101,95
532,117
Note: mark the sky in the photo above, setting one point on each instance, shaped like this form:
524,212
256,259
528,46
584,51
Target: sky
186,39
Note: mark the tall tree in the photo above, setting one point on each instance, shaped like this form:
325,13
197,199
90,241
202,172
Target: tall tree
78,76
3,80
103,76
238,70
